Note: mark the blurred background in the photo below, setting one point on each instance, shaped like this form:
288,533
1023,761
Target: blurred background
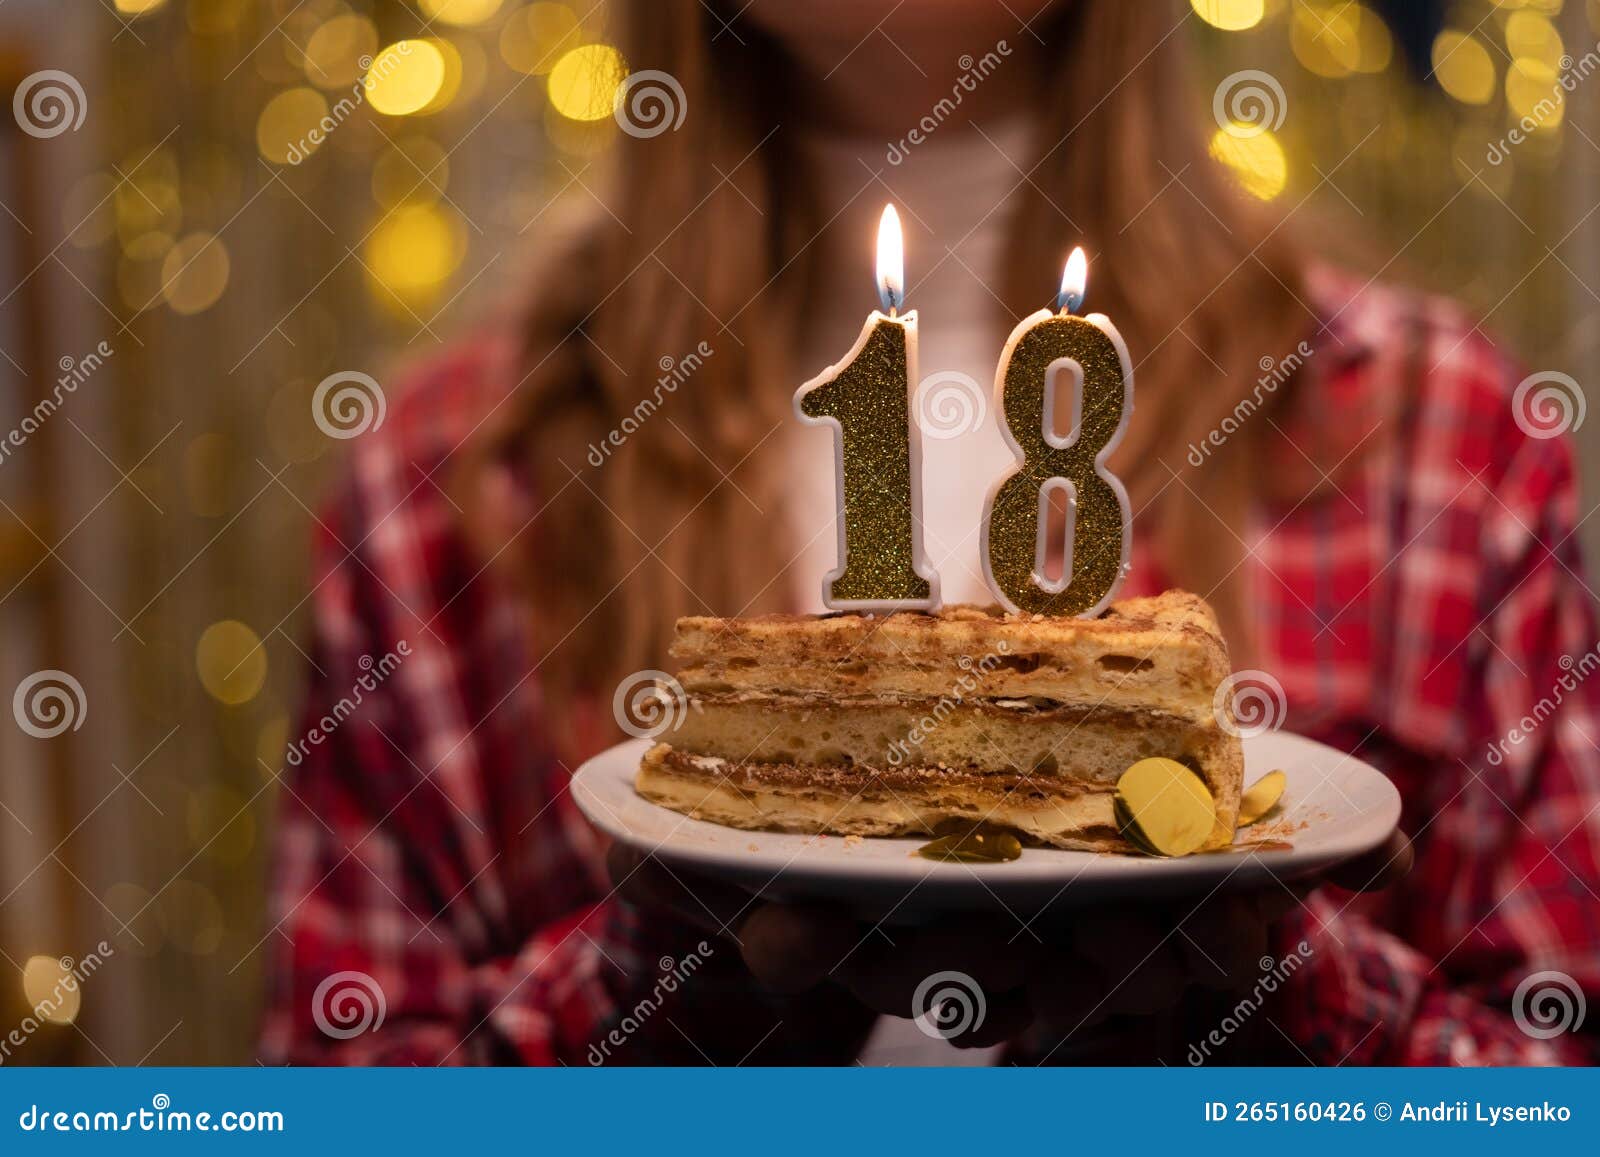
234,199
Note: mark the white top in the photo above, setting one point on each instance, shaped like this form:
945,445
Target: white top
954,194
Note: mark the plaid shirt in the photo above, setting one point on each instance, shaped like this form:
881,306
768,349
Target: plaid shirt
1419,612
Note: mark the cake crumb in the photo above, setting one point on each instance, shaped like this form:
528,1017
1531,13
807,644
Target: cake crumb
852,841
752,847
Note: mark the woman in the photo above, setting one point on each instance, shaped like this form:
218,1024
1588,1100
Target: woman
1335,465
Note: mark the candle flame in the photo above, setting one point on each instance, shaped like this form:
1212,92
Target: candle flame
1074,280
891,261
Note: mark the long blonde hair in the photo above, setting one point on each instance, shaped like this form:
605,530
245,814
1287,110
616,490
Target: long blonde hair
706,240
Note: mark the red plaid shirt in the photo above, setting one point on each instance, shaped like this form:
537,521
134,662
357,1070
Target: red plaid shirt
1415,613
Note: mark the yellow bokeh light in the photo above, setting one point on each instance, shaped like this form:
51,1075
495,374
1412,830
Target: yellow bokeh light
583,83
405,77
1531,35
288,129
450,85
1534,93
1337,39
194,273
1230,15
459,11
138,7
415,249
535,37
334,53
1463,67
231,662
52,990
1256,161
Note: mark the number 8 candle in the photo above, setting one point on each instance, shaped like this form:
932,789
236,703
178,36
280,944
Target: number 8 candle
877,454
1099,525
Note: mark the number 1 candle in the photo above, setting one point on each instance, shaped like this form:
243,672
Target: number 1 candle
1099,525
877,453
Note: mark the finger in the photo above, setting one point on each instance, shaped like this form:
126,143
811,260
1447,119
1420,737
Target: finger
1386,864
793,947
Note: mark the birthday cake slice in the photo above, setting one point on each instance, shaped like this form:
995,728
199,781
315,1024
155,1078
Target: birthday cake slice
898,724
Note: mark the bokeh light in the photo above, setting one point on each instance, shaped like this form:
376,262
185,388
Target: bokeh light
1532,36
288,129
1230,15
583,83
405,77
52,990
1337,39
194,273
334,53
1255,159
537,36
231,662
1534,93
138,7
1463,67
459,11
413,251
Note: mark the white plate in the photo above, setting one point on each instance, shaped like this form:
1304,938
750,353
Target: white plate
1333,808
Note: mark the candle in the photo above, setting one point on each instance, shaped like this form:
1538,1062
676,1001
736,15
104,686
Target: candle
1015,544
877,454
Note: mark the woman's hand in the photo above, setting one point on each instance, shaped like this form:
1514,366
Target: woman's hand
1100,963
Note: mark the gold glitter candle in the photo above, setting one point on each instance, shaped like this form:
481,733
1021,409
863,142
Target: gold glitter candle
877,454
1099,523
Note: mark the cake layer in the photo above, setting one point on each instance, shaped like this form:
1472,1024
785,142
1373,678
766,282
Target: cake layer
1065,748
1163,653
907,801
987,736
